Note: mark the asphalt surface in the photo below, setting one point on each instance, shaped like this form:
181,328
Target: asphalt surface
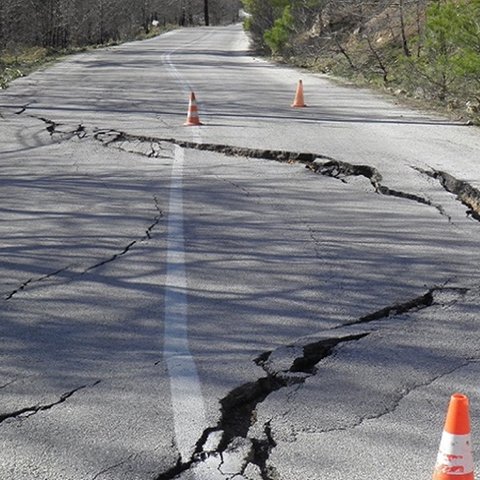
169,309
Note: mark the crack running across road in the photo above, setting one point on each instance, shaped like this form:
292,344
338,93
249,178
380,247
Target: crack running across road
153,147
316,162
29,411
465,193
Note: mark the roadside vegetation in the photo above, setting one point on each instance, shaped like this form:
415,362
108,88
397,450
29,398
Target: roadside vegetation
35,32
425,50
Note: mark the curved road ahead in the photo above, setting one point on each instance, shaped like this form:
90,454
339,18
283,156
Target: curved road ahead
277,294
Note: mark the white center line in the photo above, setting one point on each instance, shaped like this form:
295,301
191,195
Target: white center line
184,83
167,60
187,400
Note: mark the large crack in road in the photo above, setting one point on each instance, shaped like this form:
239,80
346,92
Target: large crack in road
415,304
232,441
341,170
318,163
465,193
155,147
229,449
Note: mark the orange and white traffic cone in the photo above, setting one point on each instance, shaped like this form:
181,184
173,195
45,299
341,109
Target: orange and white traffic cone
455,459
192,115
299,101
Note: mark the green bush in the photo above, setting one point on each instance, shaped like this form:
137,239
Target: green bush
277,37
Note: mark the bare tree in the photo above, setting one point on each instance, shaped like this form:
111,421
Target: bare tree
206,12
61,24
406,49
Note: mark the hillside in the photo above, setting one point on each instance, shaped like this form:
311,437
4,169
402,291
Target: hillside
425,50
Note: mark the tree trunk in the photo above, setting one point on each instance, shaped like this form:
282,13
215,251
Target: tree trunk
406,49
207,16
344,53
379,60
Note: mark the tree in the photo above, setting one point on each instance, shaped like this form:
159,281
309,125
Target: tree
261,18
59,24
467,32
278,35
206,13
406,49
436,65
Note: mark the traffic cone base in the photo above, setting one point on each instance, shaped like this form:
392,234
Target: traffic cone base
299,101
455,459
192,116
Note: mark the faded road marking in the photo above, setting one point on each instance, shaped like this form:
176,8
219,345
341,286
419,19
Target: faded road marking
187,400
184,83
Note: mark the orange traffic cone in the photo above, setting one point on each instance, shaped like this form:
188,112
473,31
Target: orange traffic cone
455,459
299,102
192,115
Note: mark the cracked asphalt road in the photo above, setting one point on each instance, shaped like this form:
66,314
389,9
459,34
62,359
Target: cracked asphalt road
332,310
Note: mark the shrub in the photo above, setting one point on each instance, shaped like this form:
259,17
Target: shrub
277,37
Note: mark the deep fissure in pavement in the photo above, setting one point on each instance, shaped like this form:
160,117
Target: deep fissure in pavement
415,304
261,453
316,351
465,193
317,163
53,128
340,170
114,137
238,409
176,470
